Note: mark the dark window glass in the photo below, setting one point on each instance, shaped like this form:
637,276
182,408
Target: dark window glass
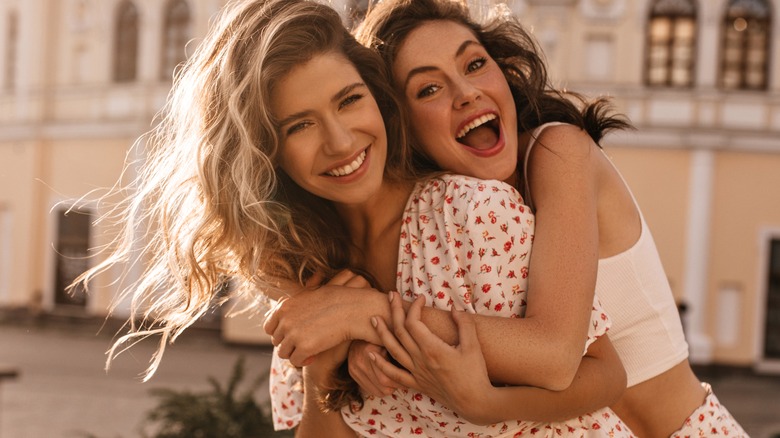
176,33
744,53
126,42
71,255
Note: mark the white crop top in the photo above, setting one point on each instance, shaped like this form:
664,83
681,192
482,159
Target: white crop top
632,286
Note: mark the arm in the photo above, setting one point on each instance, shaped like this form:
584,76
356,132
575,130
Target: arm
314,420
548,347
457,376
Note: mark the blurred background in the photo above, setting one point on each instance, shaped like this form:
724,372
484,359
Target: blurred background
81,80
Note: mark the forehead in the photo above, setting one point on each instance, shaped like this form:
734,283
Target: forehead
312,84
432,40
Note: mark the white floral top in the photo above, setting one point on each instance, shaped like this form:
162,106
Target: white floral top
465,243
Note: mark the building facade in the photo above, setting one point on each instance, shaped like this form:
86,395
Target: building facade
81,80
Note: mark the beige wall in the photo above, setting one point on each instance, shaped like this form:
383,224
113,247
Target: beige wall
747,203
659,180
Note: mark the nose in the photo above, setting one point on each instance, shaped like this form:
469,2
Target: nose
339,137
465,93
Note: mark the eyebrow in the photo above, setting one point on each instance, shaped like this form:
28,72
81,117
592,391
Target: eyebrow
336,97
426,68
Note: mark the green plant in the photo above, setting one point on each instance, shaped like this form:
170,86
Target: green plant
222,412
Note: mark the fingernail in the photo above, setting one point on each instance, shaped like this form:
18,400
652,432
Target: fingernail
373,321
372,357
390,296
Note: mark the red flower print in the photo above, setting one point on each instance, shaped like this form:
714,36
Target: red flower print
371,421
448,199
445,284
486,288
596,426
701,418
417,397
511,274
458,244
440,295
524,271
399,418
432,238
375,412
498,307
435,260
507,246
492,216
418,431
469,254
479,220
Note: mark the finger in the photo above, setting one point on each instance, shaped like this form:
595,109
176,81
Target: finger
399,375
391,343
358,281
363,379
398,316
383,381
271,319
420,333
341,278
315,280
360,368
285,350
467,330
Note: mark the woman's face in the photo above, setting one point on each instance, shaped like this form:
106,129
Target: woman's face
460,105
333,139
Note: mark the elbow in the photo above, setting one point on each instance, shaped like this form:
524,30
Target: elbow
562,370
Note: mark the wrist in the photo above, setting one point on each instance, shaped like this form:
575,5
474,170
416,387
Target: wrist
483,409
371,304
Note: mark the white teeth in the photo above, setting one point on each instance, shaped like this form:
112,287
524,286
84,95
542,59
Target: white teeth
349,168
475,123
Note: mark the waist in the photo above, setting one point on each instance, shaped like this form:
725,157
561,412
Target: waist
659,406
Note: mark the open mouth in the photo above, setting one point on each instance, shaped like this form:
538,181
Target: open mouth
349,168
481,133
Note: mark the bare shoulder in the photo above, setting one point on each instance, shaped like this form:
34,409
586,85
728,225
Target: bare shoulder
566,139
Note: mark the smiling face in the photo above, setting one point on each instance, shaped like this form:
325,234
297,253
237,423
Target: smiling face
333,139
460,105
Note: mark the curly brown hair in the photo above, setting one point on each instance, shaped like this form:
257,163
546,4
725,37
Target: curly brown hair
389,22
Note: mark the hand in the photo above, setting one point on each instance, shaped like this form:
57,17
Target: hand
365,371
455,376
312,321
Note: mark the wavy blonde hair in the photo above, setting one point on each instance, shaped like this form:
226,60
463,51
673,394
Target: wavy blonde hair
209,202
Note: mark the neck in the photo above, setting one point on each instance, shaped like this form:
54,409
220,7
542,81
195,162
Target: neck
369,221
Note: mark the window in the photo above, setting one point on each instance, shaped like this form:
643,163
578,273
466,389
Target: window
176,34
671,43
771,347
745,46
11,44
72,252
126,42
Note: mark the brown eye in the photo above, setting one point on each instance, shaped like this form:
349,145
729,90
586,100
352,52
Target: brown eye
476,64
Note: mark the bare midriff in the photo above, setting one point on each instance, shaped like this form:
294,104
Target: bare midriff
658,407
